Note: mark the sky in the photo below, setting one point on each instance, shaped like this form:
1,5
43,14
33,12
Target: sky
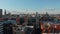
31,6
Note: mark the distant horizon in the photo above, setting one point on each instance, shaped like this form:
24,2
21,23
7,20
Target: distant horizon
49,11
31,6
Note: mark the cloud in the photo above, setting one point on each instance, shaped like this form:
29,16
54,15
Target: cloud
51,11
43,11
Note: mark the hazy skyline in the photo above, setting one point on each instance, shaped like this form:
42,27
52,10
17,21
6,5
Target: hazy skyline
40,6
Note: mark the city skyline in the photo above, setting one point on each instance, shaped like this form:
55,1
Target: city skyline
41,6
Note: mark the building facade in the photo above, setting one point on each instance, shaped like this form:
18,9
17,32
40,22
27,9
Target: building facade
0,13
7,28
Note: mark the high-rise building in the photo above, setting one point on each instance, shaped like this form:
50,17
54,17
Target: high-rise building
1,27
0,13
5,12
7,28
21,21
